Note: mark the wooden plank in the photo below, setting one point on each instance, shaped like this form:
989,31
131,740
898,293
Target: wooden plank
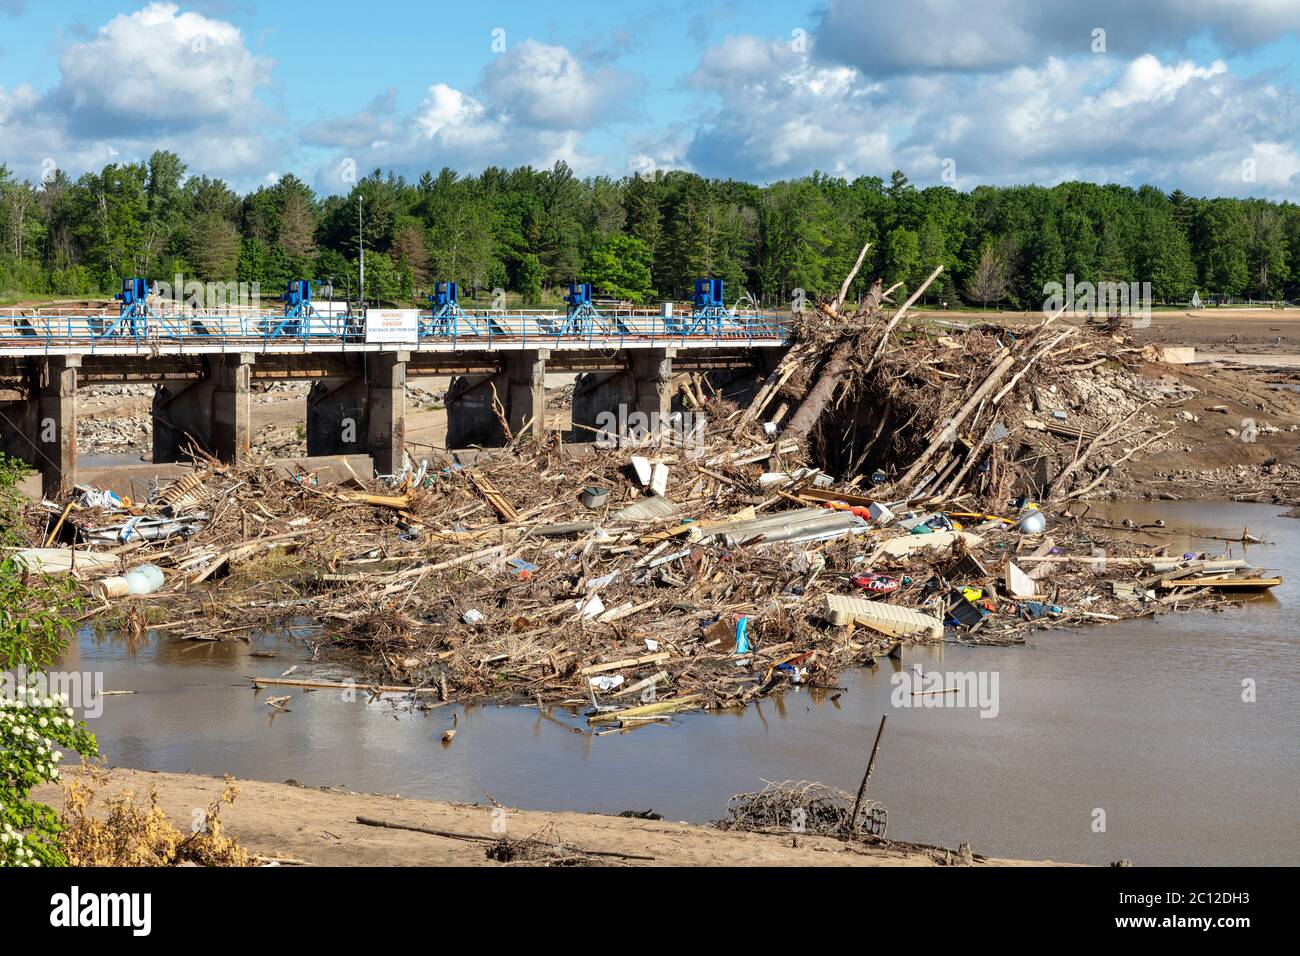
625,662
324,684
647,710
494,497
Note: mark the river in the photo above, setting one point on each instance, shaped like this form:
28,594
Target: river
1143,720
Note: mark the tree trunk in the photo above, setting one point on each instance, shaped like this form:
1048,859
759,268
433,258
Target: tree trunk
815,401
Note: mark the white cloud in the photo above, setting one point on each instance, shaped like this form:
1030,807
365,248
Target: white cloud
1171,122
545,86
1006,88
782,114
453,127
154,79
455,120
960,36
536,104
373,124
661,149
161,67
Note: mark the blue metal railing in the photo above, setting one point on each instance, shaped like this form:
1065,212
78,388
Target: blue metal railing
482,329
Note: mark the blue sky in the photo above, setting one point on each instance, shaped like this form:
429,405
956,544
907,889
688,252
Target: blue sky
1200,95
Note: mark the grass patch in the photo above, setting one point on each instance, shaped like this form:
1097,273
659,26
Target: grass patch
277,566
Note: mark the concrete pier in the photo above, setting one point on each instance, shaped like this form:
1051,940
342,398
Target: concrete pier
38,420
644,385
57,434
214,411
520,389
356,405
386,407
362,411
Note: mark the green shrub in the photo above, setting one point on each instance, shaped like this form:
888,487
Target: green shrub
34,724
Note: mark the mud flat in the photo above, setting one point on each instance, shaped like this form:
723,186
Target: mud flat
319,827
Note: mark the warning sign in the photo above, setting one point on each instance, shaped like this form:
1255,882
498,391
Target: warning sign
392,325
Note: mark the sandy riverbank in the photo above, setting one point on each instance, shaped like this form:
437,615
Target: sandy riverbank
319,826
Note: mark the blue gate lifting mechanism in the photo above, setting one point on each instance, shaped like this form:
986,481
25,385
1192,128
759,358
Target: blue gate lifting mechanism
298,311
449,320
133,314
709,312
582,317
299,319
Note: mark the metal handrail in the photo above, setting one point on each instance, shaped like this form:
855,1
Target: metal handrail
479,327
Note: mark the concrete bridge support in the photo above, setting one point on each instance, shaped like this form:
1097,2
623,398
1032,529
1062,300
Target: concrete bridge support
362,412
644,386
214,412
386,398
57,436
39,424
520,388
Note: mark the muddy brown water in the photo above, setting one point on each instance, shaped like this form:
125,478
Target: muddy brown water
1143,720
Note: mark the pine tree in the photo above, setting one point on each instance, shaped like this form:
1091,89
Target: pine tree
297,234
1044,264
988,283
214,247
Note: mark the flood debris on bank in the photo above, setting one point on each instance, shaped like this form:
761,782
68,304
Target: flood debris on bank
891,482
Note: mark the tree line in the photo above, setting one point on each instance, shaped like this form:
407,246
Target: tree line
638,238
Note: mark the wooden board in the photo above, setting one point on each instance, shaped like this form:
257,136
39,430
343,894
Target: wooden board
1223,583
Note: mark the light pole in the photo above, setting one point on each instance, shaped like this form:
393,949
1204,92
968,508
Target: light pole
361,244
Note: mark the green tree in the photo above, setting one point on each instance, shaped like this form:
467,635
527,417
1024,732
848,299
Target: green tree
1044,263
1266,249
214,248
902,257
1221,242
620,267
1166,260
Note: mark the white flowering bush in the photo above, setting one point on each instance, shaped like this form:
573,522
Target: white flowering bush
35,727
34,731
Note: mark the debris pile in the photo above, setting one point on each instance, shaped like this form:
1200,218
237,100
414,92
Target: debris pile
497,580
889,483
941,411
803,807
1273,482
